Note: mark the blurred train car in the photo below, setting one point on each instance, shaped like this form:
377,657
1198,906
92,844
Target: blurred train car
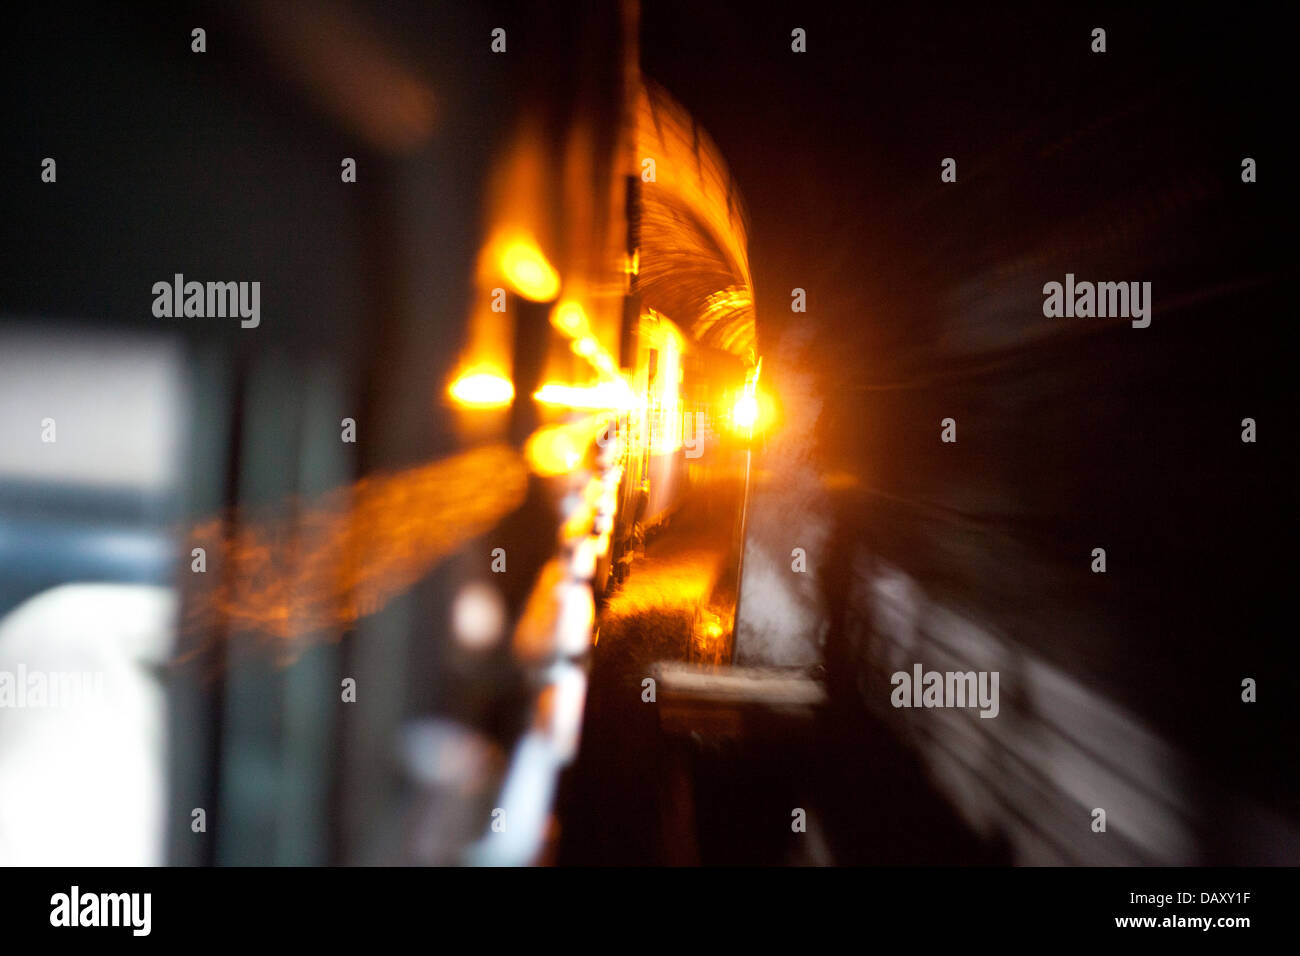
622,305
354,545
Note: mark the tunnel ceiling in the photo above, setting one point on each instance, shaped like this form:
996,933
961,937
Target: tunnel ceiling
694,264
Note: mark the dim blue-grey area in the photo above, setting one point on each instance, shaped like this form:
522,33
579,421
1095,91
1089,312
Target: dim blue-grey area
219,167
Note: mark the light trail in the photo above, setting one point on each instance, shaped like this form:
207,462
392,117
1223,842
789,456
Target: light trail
313,568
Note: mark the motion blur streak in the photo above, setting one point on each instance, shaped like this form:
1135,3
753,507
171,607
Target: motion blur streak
1061,749
325,563
603,395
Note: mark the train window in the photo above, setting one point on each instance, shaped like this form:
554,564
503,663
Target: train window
89,466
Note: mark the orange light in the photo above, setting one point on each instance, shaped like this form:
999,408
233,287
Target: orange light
569,318
599,396
482,390
749,406
528,272
709,638
555,450
745,413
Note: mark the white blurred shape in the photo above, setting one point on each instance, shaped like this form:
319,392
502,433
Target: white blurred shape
478,617
116,402
85,785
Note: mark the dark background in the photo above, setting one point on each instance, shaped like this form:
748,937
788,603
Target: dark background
924,301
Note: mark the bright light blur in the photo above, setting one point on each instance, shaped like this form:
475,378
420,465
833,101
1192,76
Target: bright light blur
745,413
482,390
666,403
478,616
569,318
555,449
751,404
110,742
528,273
708,637
604,395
